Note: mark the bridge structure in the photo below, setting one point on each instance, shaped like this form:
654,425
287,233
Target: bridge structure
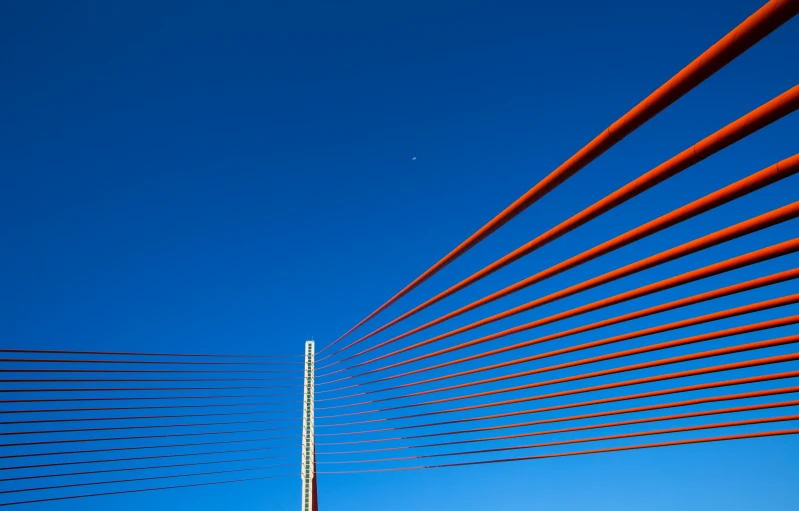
374,400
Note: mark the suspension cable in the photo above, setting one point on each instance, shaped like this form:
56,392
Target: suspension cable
733,263
706,318
762,116
670,376
765,20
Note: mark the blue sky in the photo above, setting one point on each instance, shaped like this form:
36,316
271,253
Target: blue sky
200,177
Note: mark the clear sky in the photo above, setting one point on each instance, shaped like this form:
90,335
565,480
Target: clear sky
239,176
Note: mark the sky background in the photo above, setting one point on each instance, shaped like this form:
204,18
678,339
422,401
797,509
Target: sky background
237,177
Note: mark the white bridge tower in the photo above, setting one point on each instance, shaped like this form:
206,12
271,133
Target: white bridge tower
308,449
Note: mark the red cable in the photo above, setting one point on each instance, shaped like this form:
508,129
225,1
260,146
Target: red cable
766,114
637,409
134,380
552,408
638,381
782,341
750,258
757,26
107,409
750,422
140,458
579,453
75,485
737,311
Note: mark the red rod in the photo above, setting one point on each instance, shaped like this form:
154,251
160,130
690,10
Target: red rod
155,426
729,313
765,20
750,422
145,389
766,114
757,283
630,397
579,453
734,263
755,327
782,341
681,374
140,417
153,467
637,409
76,485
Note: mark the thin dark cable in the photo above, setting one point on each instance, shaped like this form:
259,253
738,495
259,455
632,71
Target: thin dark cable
158,371
741,287
782,341
162,362
162,407
160,456
143,447
143,417
141,490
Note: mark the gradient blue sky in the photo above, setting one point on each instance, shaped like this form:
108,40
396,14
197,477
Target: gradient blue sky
238,176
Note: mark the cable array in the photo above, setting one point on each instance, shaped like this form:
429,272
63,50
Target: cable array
704,347
156,429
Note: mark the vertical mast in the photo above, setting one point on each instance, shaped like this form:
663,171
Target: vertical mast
308,450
